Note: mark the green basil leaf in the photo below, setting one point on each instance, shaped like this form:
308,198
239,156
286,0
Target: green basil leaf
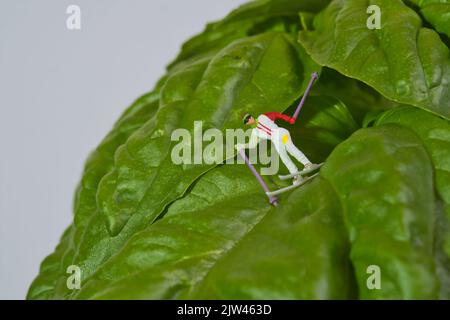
384,179
359,98
207,230
223,240
436,12
323,123
101,160
237,80
222,206
299,250
435,135
326,119
404,61
248,20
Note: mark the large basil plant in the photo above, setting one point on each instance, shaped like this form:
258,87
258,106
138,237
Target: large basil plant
378,117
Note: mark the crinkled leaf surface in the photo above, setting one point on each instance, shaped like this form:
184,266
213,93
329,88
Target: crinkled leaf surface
237,80
252,18
224,240
436,12
435,135
404,61
143,179
298,251
146,228
358,97
324,123
385,181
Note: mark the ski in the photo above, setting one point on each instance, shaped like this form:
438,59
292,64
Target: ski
300,173
282,190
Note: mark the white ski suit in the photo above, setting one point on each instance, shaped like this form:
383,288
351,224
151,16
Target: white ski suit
266,128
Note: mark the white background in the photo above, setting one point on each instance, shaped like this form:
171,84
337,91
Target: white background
60,93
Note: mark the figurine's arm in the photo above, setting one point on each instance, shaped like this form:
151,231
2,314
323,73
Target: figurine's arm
276,115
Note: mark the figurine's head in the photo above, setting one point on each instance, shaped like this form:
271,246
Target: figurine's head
248,119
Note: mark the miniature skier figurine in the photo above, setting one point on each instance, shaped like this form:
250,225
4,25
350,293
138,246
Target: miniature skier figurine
264,127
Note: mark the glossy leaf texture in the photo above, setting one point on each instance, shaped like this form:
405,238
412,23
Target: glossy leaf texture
250,19
237,80
434,133
403,60
223,190
384,179
101,160
147,228
223,240
436,12
358,97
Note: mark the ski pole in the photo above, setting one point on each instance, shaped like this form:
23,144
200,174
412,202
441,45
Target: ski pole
272,200
314,77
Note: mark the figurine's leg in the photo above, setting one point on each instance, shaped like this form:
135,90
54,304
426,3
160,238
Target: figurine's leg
294,151
280,146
